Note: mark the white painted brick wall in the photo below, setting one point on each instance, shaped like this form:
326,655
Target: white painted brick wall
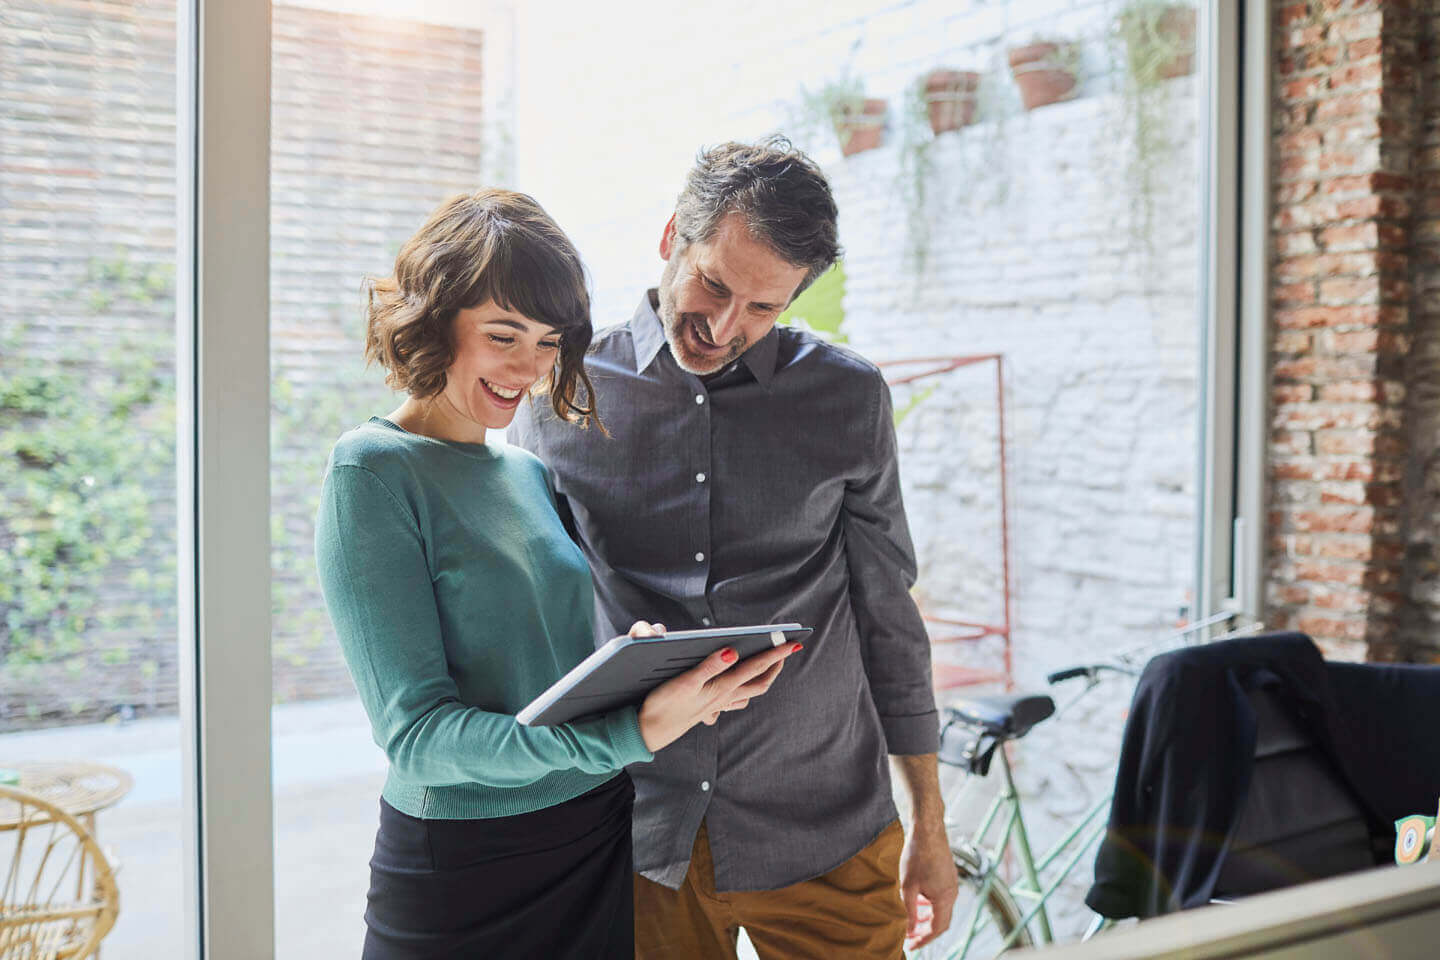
1101,341
1031,255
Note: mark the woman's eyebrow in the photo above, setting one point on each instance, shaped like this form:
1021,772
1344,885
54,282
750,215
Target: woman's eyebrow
519,325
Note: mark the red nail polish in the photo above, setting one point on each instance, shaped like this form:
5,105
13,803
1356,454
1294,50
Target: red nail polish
798,647
728,655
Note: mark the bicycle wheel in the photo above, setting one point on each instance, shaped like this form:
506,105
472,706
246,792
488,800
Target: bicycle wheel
1000,914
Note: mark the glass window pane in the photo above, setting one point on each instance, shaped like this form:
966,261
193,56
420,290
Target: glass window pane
375,120
997,196
1020,194
88,648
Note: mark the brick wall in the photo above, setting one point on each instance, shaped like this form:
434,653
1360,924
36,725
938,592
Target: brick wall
1349,397
374,122
1420,627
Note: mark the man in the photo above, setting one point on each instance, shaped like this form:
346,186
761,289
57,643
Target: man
750,477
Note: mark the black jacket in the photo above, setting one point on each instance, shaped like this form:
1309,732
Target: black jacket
1187,752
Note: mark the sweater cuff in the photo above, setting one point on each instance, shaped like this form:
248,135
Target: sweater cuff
916,734
629,745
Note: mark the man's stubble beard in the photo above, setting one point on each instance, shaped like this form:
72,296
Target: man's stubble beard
672,323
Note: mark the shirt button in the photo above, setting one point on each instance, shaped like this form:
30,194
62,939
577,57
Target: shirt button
699,558
699,398
699,478
705,620
704,784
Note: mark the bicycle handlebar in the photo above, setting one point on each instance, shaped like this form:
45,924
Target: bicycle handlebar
1090,671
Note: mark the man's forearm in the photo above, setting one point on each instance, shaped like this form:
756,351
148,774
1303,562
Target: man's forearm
920,775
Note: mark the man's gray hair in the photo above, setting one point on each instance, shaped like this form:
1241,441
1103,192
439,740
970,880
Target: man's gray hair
781,193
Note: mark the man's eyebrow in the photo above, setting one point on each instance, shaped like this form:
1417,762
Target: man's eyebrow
753,305
711,280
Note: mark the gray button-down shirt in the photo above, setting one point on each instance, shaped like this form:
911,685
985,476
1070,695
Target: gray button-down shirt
767,493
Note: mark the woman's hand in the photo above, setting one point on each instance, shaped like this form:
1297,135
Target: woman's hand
699,695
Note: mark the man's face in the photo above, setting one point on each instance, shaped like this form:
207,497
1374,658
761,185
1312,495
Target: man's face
719,297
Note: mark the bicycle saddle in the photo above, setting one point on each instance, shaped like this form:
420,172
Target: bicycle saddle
1004,717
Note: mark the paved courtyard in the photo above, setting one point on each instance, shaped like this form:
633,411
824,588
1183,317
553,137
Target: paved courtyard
327,778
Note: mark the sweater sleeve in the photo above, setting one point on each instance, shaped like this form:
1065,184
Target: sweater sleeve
376,583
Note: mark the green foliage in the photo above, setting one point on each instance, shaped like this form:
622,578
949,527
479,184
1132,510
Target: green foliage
917,167
821,307
305,421
835,100
85,437
916,398
118,282
820,111
87,447
1145,42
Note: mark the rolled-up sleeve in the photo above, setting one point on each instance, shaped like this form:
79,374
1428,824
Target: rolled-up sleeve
881,558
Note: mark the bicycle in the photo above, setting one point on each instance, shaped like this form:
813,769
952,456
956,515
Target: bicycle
973,736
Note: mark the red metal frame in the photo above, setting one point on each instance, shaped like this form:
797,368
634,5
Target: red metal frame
946,675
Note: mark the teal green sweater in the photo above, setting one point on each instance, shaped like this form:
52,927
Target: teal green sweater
458,597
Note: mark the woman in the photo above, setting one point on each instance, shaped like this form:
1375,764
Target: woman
458,597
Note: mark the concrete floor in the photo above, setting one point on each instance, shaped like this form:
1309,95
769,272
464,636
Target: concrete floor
327,777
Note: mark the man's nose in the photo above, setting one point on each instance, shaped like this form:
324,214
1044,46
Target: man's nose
725,323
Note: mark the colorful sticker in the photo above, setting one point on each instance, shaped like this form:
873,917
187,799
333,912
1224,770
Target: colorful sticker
1410,836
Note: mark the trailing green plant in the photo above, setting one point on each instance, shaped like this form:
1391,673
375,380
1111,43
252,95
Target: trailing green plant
1151,46
823,110
916,170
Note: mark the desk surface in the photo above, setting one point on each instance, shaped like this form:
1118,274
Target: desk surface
77,788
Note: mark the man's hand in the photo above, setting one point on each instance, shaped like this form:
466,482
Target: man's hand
928,880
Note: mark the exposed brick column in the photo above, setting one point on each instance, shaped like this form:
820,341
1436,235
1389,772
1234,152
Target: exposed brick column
1420,627
1344,134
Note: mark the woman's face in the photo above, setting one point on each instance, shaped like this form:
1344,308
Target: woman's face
499,356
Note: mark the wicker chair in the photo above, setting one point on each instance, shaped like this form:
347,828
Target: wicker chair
58,897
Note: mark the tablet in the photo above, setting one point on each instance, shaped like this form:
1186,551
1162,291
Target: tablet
625,669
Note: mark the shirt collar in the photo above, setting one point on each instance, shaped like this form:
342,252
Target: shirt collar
648,334
649,337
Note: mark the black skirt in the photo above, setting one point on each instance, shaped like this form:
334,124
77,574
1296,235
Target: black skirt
555,883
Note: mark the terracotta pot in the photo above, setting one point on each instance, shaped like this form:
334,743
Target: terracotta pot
862,128
1041,74
950,98
1175,27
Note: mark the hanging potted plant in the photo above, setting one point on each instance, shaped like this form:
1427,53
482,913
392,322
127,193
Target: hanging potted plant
841,105
859,124
1152,43
950,99
1045,71
1159,40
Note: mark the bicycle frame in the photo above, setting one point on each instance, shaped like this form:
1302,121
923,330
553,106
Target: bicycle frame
1005,813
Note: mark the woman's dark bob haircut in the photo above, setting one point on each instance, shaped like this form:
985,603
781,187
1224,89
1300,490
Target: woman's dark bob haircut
492,245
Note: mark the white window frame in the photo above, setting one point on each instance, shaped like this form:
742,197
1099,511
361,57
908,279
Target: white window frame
223,396
1236,57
